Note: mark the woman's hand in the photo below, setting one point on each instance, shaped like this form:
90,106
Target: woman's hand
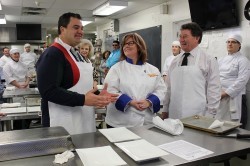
140,105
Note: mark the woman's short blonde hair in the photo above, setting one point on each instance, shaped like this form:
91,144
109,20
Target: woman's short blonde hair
87,42
141,46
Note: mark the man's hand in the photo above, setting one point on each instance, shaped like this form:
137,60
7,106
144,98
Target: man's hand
104,92
224,94
95,100
101,100
2,114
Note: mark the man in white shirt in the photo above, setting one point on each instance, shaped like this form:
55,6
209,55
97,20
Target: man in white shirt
193,80
176,49
27,57
3,60
234,75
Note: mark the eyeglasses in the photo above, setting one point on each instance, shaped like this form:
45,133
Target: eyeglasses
129,43
115,45
233,42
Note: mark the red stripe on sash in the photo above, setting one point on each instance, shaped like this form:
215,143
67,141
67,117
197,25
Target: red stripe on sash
75,69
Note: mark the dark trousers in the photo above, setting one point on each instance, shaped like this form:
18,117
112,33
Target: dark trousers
21,124
108,126
243,119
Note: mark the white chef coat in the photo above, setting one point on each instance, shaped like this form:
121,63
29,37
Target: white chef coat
28,58
234,75
15,71
209,70
3,60
167,63
137,82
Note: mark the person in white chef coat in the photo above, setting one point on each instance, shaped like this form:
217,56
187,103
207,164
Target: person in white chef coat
234,75
15,72
193,80
3,60
176,49
138,83
28,57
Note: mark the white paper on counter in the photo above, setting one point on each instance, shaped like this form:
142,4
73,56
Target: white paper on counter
100,156
141,150
185,150
34,109
13,110
119,134
10,105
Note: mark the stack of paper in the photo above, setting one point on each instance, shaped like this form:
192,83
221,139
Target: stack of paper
119,134
34,109
10,88
141,150
13,110
10,105
100,156
185,150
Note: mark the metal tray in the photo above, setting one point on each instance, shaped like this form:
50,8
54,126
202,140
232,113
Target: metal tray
34,142
202,123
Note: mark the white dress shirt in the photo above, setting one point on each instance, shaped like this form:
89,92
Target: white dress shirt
167,63
3,60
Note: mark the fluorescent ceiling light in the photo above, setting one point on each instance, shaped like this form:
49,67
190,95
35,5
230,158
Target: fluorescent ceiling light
110,7
86,21
2,19
0,6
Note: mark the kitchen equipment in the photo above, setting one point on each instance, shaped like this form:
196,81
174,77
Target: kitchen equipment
34,142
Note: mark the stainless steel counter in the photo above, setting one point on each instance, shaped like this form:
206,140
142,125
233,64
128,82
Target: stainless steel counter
223,148
9,94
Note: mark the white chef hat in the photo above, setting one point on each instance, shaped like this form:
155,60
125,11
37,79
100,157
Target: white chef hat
176,43
235,37
26,45
14,50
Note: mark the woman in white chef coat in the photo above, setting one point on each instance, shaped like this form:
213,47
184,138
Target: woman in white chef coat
234,74
15,72
138,83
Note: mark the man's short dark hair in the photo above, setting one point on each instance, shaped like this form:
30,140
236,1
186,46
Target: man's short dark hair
65,19
5,48
195,29
116,41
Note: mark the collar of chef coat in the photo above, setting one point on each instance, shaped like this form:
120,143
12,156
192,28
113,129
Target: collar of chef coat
131,61
234,54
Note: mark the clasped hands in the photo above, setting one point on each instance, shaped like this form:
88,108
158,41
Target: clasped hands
101,100
140,104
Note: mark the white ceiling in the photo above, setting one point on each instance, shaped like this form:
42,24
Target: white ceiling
12,9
